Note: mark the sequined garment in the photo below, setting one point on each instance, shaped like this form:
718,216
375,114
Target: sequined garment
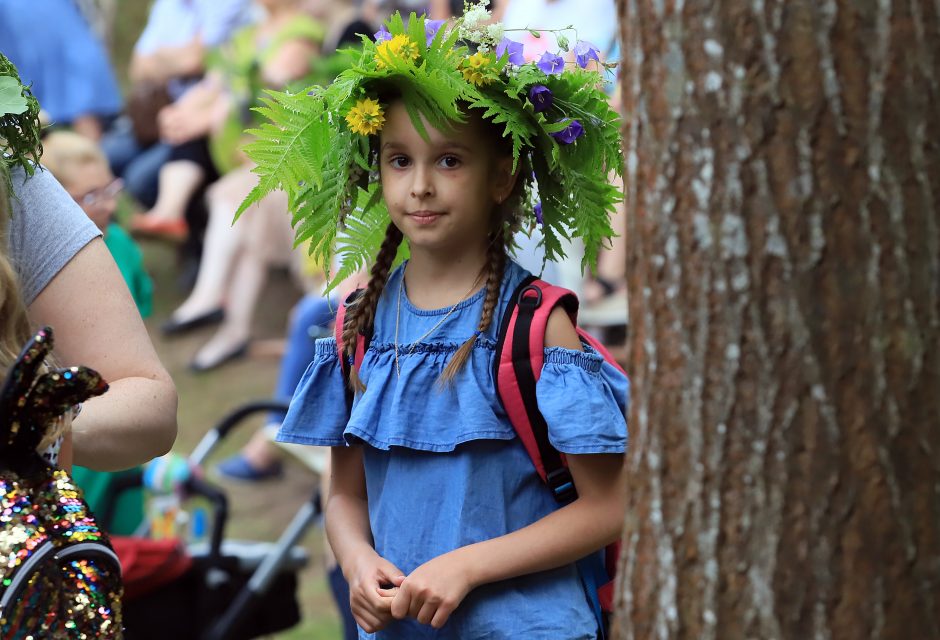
59,577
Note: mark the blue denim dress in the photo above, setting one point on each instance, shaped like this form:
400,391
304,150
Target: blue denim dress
444,467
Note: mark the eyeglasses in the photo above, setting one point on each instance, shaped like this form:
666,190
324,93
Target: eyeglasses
97,196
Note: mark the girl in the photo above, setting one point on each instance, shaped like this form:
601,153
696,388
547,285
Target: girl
436,515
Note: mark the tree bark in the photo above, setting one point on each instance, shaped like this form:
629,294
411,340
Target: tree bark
783,180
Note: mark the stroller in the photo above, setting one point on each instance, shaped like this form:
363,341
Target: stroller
219,590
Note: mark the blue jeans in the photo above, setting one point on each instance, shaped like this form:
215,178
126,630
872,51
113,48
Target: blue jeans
339,589
311,320
138,166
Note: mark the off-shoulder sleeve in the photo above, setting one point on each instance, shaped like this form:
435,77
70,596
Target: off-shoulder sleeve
318,411
584,401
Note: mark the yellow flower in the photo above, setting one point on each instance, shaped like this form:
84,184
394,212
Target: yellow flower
367,117
401,46
476,68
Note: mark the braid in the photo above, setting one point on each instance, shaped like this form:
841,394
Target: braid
361,315
495,264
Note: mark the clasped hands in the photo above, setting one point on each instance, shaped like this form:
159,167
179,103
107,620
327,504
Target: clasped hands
379,592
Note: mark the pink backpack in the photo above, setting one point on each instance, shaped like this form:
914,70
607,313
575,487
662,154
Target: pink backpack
517,367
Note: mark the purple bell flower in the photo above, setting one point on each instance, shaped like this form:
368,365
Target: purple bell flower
431,27
570,133
382,34
537,210
515,51
541,98
584,52
551,64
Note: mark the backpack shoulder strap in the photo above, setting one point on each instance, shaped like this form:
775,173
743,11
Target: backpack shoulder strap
518,366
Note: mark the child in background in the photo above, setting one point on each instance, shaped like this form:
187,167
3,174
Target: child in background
436,515
81,167
83,170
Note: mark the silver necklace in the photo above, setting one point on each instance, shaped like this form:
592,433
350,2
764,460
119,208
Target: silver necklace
401,286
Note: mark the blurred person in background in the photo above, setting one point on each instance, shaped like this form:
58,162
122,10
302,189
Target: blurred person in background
168,59
81,167
63,61
205,127
278,51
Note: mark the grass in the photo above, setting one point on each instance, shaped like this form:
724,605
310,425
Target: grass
261,511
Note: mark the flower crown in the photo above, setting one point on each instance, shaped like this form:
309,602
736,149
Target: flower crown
19,124
316,145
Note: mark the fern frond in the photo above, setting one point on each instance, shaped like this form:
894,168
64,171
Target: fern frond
291,151
355,245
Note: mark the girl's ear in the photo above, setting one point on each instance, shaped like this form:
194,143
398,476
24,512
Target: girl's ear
504,179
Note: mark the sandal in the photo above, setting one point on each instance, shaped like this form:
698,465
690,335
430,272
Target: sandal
238,468
236,353
153,227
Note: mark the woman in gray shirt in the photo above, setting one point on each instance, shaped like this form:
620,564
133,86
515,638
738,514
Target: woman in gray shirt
70,282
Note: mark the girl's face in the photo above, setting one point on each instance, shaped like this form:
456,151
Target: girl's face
441,192
95,190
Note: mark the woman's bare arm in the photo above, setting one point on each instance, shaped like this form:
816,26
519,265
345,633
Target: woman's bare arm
97,325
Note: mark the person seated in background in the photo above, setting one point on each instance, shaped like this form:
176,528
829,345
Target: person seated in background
63,61
167,60
81,167
205,127
235,259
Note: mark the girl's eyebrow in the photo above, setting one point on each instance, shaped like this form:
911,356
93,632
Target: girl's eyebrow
453,144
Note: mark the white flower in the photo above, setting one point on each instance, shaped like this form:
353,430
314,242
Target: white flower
477,15
495,31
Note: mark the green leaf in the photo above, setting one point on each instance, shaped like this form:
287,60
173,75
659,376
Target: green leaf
357,245
500,109
11,96
290,152
20,142
416,32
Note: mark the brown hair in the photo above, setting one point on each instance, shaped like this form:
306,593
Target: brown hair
504,222
360,315
14,323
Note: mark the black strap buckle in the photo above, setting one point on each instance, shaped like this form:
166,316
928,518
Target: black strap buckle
562,485
530,301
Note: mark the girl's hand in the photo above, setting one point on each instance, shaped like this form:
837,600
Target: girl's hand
370,603
434,590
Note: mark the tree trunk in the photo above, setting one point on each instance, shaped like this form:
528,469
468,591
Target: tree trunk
782,194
